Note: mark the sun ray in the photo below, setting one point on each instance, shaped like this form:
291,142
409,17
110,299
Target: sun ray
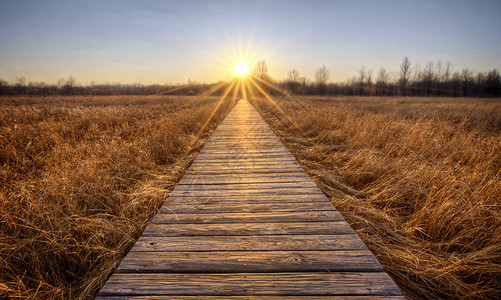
281,90
212,90
288,94
277,107
235,91
202,128
251,91
179,88
244,92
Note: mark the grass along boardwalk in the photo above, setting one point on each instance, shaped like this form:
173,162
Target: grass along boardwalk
247,221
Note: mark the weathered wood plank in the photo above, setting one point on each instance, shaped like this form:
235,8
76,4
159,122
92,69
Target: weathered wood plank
255,217
247,186
208,180
203,155
249,243
249,198
243,159
298,283
245,163
250,261
243,171
249,192
240,229
249,151
201,297
231,207
270,175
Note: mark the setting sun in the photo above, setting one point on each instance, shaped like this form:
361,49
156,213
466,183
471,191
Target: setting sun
241,68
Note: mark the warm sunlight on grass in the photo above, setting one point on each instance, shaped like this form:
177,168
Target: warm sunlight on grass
422,191
81,177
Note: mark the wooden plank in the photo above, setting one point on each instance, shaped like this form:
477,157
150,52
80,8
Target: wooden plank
247,165
236,192
244,138
257,217
246,162
229,207
243,148
250,262
297,174
198,174
237,200
250,198
240,229
298,283
244,158
249,243
221,151
208,180
272,168
244,171
173,297
214,158
246,186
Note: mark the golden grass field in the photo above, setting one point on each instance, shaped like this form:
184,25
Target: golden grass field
81,177
419,179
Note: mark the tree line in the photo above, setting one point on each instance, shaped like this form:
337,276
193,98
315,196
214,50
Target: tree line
434,79
70,86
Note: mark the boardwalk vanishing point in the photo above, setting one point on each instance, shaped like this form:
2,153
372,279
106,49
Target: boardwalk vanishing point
247,222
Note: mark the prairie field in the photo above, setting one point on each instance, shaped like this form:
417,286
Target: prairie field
81,177
419,179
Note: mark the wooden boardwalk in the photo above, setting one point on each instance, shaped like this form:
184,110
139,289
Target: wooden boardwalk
247,221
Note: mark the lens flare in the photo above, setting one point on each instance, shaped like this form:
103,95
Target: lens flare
242,68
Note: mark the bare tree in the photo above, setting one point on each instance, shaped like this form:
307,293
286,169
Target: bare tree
405,72
382,81
429,76
369,82
322,76
61,82
362,74
466,80
20,85
293,79
303,85
69,85
447,77
261,70
3,86
493,83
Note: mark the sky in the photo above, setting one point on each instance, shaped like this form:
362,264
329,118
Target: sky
176,41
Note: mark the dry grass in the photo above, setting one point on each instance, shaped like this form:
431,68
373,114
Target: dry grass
418,178
80,178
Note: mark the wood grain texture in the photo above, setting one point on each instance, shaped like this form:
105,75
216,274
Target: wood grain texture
247,198
252,217
229,207
242,229
248,186
249,192
249,243
250,261
247,222
174,297
296,283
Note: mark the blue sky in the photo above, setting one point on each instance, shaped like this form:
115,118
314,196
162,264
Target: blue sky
173,41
